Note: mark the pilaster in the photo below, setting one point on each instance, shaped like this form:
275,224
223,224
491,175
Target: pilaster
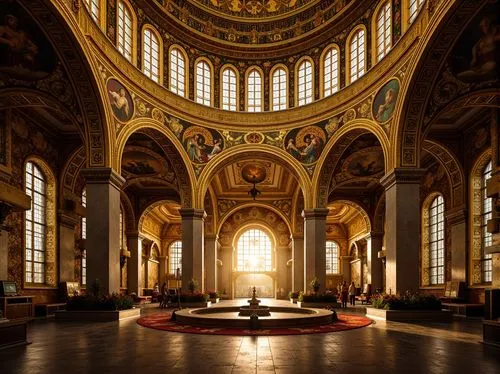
193,246
315,246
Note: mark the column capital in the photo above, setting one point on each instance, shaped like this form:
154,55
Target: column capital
103,175
315,213
402,176
192,213
67,219
212,237
456,216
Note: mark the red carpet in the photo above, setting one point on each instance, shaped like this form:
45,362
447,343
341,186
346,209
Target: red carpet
161,321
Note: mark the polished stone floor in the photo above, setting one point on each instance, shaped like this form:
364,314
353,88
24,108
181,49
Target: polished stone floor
126,347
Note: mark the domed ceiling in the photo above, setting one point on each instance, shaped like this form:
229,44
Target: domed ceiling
255,8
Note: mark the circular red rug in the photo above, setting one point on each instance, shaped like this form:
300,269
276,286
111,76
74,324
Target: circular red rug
162,321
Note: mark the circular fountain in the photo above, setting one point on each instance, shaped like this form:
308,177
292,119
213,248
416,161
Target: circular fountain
255,316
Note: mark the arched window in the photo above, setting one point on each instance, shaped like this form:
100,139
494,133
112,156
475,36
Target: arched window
254,251
254,91
175,257
383,32
305,79
125,30
356,57
151,54
486,214
414,7
203,83
84,236
122,228
229,89
177,72
279,89
330,71
332,257
35,225
436,241
93,7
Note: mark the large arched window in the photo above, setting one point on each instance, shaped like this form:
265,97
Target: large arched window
229,89
330,63
93,7
254,251
486,214
177,72
332,257
84,236
305,79
383,30
436,241
151,54
125,30
414,7
175,257
254,91
35,225
279,90
356,55
203,83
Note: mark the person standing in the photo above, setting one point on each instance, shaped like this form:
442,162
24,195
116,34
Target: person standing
344,294
352,294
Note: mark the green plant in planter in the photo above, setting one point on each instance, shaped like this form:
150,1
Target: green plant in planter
315,284
301,296
293,294
193,285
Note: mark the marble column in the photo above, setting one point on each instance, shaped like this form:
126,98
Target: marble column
163,269
211,252
402,213
193,247
282,287
67,225
103,227
315,246
134,263
374,242
298,263
226,271
456,219
345,267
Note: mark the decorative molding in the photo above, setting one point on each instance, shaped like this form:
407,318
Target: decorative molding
102,175
402,176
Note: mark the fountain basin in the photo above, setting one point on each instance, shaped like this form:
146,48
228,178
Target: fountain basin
281,317
261,311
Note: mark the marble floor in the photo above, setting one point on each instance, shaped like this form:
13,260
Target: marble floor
125,347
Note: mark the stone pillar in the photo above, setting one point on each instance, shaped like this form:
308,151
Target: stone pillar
375,267
226,271
281,291
402,216
345,267
163,269
193,246
298,263
103,227
134,263
456,219
67,224
211,252
315,246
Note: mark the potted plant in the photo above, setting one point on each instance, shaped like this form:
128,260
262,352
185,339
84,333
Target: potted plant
293,296
214,296
300,298
315,284
193,285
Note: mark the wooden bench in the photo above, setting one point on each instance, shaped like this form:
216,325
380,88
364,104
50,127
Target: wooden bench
48,309
465,309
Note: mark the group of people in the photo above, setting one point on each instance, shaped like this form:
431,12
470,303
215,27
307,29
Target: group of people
347,293
165,297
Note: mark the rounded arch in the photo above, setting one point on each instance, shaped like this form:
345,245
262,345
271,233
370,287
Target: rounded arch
260,72
236,73
201,60
379,216
298,64
273,70
358,208
329,48
69,175
341,139
257,204
128,8
127,208
267,229
172,147
348,47
381,7
173,49
453,168
54,20
276,154
146,210
431,52
159,40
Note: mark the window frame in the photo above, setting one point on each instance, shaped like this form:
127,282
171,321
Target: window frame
337,258
352,34
298,65
436,218
248,72
178,258
269,259
271,87
322,60
133,31
203,60
237,96
375,32
159,40
182,53
486,213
